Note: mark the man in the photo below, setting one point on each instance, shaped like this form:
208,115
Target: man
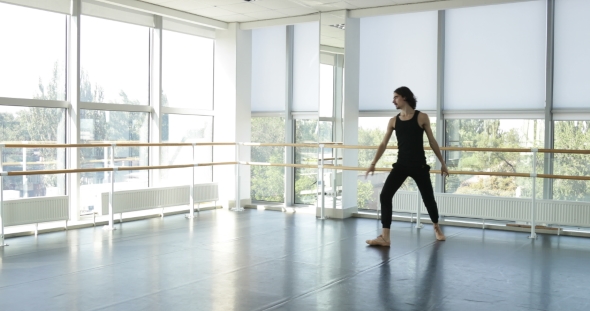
409,125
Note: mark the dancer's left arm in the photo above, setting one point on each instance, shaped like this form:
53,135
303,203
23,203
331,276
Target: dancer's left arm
424,122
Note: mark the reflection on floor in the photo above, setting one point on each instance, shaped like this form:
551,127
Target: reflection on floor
257,260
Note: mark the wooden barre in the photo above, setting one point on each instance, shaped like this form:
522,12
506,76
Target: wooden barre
335,145
117,144
109,169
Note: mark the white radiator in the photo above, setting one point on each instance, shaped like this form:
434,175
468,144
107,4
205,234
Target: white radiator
206,192
498,208
143,199
35,210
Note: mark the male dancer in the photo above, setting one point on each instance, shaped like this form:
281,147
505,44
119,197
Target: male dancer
409,126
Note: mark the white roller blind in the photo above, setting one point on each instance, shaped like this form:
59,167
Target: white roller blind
572,54
495,57
269,66
59,6
398,50
187,28
306,67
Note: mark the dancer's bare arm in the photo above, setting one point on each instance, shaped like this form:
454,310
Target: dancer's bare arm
424,122
382,147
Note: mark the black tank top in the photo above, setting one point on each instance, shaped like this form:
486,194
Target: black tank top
410,140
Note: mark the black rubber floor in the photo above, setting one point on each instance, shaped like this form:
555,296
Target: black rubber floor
257,260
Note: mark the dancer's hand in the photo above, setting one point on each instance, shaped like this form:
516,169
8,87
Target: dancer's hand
444,171
371,170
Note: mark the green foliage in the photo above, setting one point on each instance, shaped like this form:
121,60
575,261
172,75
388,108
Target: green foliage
364,193
267,183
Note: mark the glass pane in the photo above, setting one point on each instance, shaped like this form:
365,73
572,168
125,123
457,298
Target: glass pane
186,128
268,183
33,53
98,126
494,134
187,71
114,60
496,65
326,90
306,131
571,135
30,125
398,50
572,64
371,133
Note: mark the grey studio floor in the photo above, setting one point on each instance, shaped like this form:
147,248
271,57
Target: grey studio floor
259,260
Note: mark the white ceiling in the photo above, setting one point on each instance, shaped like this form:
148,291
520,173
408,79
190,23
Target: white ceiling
242,11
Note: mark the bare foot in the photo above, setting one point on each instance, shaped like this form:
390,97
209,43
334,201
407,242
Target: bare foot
438,233
379,241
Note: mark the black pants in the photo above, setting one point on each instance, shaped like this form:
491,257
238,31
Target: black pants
399,173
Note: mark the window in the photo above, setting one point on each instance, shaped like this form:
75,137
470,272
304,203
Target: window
182,129
398,50
33,53
267,183
492,65
501,133
114,62
572,64
571,135
42,125
326,90
98,126
187,71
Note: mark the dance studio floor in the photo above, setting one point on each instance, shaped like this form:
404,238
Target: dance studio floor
266,260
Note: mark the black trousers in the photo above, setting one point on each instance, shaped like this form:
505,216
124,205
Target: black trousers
397,176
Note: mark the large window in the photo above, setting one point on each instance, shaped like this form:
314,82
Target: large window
187,71
493,133
30,125
33,53
115,126
572,135
326,91
495,57
183,129
268,182
307,184
114,62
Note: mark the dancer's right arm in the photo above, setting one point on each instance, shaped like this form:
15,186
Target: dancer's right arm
382,147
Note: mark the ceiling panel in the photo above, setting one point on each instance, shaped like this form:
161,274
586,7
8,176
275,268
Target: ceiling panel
240,10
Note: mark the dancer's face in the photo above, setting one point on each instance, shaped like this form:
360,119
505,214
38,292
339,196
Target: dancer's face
399,101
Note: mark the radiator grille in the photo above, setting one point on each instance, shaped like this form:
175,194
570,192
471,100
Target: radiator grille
35,210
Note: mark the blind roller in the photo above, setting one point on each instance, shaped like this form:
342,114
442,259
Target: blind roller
269,69
116,13
398,50
571,88
495,57
59,6
306,67
187,28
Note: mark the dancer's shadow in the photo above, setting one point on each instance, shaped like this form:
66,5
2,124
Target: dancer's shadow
427,283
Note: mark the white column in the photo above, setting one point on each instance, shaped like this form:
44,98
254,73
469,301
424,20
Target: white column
155,98
233,63
73,96
351,113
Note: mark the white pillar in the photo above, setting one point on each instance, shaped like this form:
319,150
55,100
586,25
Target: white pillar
155,98
351,114
73,95
233,63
